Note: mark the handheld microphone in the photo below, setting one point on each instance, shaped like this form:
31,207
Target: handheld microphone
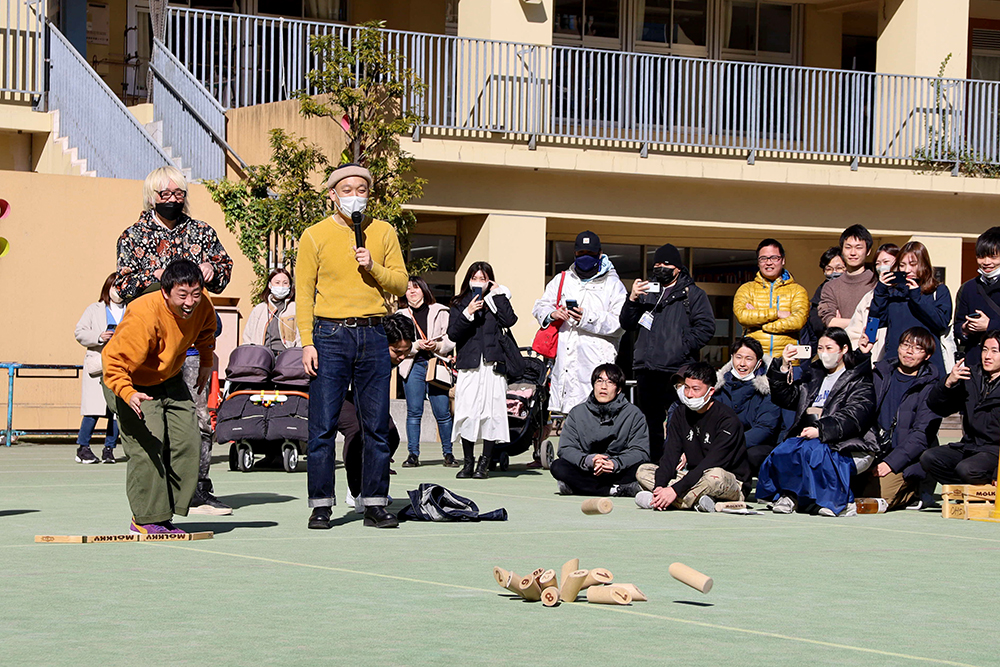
359,238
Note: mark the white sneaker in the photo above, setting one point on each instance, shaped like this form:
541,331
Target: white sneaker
704,504
784,505
851,510
644,500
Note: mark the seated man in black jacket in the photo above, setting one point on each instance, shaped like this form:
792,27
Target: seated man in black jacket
975,391
603,441
709,436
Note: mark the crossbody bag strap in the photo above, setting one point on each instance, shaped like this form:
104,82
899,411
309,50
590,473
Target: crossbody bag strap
990,303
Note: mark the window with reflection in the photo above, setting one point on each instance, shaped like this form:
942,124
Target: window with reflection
589,22
673,22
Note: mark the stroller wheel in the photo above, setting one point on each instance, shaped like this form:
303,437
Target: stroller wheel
233,457
548,454
290,458
504,461
244,458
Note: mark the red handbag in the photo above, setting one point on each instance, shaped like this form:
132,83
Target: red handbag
546,341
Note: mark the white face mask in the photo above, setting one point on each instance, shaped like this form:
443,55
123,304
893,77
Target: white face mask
992,274
830,360
748,376
351,205
693,403
475,283
280,292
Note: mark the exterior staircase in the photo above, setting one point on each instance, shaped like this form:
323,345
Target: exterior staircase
77,165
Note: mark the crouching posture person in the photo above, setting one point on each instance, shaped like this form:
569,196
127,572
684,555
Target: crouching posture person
603,441
834,408
707,435
143,364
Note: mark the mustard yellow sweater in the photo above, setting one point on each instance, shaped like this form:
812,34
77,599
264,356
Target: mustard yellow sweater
151,343
330,283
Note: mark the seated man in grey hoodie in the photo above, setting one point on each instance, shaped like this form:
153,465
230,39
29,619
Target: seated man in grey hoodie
604,441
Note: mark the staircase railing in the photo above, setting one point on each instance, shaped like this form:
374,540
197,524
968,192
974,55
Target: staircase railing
193,122
97,123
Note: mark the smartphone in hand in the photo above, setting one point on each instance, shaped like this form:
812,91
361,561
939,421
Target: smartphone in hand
478,292
572,304
899,278
871,329
803,351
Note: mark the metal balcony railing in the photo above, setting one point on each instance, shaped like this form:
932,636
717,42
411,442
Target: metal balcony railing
651,102
22,50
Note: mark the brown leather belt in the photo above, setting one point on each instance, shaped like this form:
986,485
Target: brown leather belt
352,321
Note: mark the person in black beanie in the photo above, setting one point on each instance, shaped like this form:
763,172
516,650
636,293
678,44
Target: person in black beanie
674,320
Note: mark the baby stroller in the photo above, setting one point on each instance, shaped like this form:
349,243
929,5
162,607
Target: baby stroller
265,407
527,408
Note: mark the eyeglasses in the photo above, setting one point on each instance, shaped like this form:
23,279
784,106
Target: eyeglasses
912,347
771,259
166,195
606,381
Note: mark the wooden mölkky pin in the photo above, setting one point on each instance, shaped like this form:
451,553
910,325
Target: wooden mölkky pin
592,506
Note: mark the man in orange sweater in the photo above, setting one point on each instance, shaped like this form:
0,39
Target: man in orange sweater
159,423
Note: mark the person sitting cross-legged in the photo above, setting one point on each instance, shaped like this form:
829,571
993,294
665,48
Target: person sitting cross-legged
604,441
707,435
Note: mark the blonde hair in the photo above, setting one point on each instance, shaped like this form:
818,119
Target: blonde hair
157,180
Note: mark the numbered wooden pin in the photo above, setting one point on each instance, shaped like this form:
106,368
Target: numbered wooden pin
547,580
529,589
571,585
550,597
568,568
597,577
637,595
609,595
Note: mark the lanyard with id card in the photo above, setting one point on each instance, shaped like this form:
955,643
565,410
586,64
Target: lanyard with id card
646,321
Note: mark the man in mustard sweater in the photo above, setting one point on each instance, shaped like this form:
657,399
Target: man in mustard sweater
341,293
159,424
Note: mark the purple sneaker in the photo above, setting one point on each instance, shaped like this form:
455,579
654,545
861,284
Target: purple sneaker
162,528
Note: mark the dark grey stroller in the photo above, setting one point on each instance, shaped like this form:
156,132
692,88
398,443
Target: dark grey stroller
265,407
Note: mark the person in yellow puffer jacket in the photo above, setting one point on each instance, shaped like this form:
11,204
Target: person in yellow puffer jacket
772,307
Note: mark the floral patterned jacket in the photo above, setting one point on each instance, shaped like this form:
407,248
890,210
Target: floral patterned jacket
148,246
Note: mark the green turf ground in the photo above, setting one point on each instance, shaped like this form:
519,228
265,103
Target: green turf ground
904,589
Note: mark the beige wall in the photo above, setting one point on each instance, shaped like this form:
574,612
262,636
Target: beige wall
823,39
915,36
247,131
62,232
508,20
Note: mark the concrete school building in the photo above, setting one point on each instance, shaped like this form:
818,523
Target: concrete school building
709,124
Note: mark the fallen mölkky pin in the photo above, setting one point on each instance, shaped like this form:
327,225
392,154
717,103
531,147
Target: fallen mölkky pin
609,595
592,506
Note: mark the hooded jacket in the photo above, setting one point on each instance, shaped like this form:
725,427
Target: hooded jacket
478,339
683,323
847,414
617,429
761,322
916,424
583,345
751,401
980,408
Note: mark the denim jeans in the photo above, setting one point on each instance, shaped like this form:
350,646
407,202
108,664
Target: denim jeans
415,387
88,425
358,356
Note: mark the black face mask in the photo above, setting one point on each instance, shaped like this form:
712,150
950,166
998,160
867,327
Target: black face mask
169,210
663,275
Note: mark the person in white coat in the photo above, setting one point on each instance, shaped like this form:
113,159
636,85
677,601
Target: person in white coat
589,308
93,331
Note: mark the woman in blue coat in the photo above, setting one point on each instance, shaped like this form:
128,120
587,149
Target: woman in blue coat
919,302
743,386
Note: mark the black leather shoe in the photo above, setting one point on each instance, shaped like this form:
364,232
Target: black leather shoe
468,465
411,461
482,468
320,518
449,461
378,517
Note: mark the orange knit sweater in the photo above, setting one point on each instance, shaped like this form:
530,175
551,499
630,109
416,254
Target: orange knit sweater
150,344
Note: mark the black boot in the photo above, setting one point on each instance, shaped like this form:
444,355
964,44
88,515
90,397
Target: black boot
467,467
378,517
482,468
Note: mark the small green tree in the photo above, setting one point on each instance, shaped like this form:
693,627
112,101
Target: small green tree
275,200
363,89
